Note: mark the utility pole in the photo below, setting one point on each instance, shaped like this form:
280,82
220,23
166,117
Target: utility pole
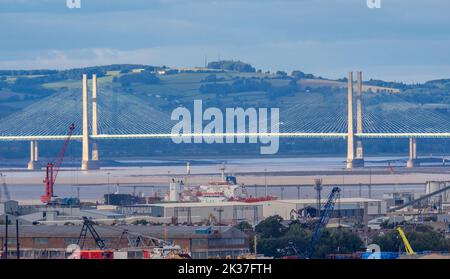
6,237
165,232
17,239
219,210
222,171
366,222
265,182
255,244
109,191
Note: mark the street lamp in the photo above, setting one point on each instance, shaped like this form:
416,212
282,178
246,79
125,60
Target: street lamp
109,190
265,182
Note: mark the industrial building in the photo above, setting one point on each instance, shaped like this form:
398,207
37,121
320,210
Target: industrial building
345,207
61,215
235,212
202,242
198,212
433,186
9,207
399,198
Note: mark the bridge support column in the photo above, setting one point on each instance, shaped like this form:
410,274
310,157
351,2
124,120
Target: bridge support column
412,162
359,160
350,135
85,139
34,156
95,158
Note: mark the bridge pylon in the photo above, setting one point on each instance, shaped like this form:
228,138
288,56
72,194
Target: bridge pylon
85,141
86,163
359,160
94,119
350,132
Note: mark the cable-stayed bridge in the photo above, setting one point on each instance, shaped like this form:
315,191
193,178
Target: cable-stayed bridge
110,115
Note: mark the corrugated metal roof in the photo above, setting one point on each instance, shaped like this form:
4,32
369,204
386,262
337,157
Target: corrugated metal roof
203,204
115,231
101,212
313,201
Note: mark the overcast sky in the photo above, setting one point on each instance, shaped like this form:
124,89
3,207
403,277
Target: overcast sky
405,40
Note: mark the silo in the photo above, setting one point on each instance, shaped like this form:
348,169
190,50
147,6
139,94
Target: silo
446,194
433,186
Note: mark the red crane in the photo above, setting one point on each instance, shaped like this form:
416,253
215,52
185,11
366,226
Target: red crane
53,169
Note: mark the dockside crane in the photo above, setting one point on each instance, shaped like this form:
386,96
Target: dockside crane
88,226
408,248
52,170
325,214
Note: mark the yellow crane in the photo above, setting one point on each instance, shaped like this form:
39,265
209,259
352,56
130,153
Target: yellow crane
408,248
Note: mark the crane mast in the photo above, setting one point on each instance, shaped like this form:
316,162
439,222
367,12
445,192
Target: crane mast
323,220
88,226
52,169
408,248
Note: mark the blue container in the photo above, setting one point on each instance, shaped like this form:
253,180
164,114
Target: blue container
231,180
203,231
380,255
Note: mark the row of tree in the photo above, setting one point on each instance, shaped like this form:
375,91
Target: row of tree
230,65
274,235
145,77
421,238
241,84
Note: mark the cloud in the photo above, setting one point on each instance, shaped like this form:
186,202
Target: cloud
416,61
319,36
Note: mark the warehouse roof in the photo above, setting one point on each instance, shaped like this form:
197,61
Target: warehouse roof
313,201
202,204
115,231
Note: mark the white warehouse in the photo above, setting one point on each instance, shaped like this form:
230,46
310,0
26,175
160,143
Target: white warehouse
194,212
345,207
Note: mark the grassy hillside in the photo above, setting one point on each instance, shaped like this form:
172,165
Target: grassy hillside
179,87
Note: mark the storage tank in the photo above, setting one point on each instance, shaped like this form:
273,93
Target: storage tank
446,194
433,186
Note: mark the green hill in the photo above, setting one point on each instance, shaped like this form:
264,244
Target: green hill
224,84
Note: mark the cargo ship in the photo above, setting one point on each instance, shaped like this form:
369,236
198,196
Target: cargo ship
219,191
227,189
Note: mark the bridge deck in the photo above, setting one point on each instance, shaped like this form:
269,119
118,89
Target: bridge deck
281,135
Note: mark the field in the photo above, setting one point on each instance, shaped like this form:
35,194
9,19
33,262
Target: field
174,89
